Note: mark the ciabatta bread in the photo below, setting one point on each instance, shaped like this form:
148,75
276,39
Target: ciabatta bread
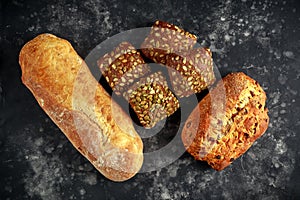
66,90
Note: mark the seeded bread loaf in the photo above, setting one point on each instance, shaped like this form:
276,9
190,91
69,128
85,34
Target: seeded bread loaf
122,67
227,121
165,38
151,99
66,90
190,70
129,76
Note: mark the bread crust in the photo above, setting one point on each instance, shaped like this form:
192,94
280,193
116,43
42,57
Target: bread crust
227,121
66,90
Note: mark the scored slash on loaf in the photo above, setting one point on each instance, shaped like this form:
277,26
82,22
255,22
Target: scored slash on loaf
170,45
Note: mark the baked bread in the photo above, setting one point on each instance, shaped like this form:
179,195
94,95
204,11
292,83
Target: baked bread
66,90
165,38
191,71
122,67
151,99
227,121
129,76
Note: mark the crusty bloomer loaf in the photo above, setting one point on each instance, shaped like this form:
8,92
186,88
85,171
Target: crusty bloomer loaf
64,87
227,121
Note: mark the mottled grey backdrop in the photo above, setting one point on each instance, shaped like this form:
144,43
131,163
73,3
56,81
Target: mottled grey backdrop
260,38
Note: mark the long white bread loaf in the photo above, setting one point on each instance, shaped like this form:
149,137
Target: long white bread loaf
67,91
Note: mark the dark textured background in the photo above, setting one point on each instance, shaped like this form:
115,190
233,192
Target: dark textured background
260,38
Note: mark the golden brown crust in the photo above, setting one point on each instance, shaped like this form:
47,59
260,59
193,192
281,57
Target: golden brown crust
227,121
66,90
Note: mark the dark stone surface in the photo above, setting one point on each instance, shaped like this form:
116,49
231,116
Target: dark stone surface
260,38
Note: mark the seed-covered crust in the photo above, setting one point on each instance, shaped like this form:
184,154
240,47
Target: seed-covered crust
193,71
169,45
128,75
156,77
165,38
227,121
152,100
122,67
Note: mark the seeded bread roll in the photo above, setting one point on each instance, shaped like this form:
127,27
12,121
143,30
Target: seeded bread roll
165,38
66,90
193,71
151,99
129,76
170,45
227,121
122,67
